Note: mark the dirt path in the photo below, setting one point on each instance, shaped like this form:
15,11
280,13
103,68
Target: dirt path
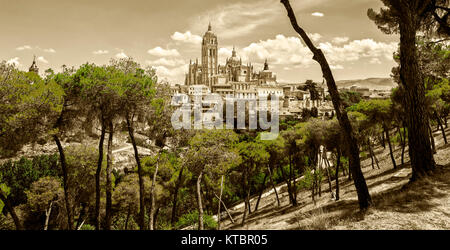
422,205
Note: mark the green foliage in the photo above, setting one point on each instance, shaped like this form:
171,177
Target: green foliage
87,227
42,192
349,98
191,218
6,191
28,108
19,175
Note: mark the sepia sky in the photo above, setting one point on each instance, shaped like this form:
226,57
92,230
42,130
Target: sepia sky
165,34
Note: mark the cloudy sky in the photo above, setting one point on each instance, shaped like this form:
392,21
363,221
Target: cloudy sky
166,34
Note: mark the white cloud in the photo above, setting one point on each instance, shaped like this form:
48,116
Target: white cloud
50,50
236,19
100,52
166,62
25,47
224,52
357,49
340,40
42,59
317,14
336,67
158,51
121,55
375,61
187,37
14,61
280,51
315,36
172,75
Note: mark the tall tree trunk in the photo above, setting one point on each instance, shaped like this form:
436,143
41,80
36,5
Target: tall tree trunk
220,200
403,146
11,210
338,163
372,153
108,189
246,206
128,217
152,191
81,215
420,152
47,215
433,144
62,159
175,197
355,165
313,188
155,218
438,119
226,209
199,201
383,141
263,187
319,181
97,177
288,184
328,174
141,219
388,138
273,185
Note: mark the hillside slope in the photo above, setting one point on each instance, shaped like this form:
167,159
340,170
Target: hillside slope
397,204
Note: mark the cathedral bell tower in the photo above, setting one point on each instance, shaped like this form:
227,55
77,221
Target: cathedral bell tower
209,58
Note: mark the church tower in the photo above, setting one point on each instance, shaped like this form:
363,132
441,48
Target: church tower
33,67
209,58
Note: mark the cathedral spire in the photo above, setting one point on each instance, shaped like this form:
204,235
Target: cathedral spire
209,27
33,67
266,65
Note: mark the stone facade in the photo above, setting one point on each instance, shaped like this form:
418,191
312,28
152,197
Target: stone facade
225,77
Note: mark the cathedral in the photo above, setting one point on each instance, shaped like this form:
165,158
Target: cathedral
233,74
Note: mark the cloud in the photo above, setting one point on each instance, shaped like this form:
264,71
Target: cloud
121,55
186,37
14,61
25,47
336,67
339,40
317,14
166,62
49,50
158,51
42,59
236,19
357,49
375,61
280,51
172,75
315,36
224,52
100,52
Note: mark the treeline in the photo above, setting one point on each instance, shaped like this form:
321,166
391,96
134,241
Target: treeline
194,174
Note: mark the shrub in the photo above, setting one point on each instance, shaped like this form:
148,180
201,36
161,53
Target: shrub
191,219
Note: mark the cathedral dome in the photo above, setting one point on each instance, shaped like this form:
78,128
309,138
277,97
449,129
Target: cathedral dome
234,57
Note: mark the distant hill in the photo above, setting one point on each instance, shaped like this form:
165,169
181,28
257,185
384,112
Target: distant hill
371,83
